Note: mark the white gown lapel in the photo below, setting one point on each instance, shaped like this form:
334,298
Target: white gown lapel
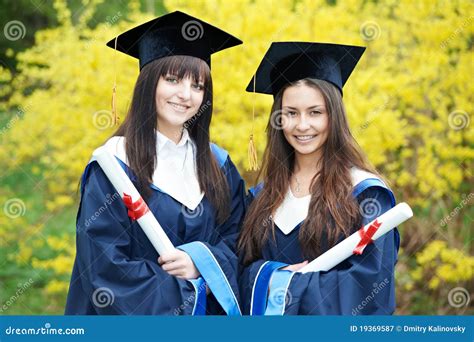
291,212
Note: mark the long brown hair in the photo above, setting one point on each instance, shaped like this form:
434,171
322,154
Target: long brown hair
333,211
139,129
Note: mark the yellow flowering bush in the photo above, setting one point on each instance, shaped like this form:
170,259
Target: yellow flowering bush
409,103
437,263
60,264
437,271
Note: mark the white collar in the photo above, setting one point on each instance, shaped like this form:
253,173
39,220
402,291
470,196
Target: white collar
291,212
163,141
175,173
294,210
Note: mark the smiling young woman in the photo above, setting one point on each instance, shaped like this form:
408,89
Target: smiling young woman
317,189
178,95
190,185
305,127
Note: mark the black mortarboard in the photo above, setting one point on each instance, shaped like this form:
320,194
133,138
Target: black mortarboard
175,33
287,62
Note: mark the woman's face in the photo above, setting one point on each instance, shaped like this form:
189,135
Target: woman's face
177,100
305,120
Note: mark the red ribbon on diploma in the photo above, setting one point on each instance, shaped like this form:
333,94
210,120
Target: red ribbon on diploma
135,209
366,237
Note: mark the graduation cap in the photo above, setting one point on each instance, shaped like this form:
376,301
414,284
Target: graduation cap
287,62
172,34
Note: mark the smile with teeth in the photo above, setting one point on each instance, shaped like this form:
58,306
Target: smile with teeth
304,137
178,106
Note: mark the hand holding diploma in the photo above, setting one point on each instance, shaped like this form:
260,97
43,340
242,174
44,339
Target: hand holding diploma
179,264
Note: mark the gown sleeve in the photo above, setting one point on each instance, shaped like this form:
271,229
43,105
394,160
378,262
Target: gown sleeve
217,260
105,279
361,285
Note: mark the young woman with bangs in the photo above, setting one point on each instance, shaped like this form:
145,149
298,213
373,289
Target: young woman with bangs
190,185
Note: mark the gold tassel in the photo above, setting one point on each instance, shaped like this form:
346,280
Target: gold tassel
114,89
114,108
252,151
252,155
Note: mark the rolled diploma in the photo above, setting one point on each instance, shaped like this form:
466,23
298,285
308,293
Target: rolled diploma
343,250
124,185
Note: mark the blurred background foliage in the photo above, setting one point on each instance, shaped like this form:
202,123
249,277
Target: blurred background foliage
409,103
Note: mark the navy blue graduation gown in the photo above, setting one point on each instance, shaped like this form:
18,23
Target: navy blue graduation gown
361,285
116,269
